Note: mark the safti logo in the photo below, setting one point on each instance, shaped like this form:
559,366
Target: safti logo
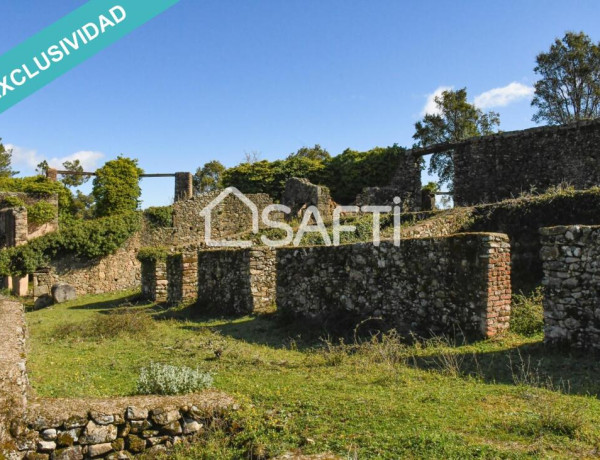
312,222
68,42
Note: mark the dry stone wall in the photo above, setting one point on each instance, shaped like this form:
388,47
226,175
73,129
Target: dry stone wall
154,280
182,277
237,281
571,259
457,284
301,193
493,168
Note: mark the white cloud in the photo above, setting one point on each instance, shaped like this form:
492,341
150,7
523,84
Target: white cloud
29,158
430,106
500,97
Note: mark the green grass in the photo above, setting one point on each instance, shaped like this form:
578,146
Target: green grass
503,398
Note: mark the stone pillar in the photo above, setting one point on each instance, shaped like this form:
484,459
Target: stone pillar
20,286
154,280
184,186
182,276
52,174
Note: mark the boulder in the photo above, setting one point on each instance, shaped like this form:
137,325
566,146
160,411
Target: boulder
43,301
63,293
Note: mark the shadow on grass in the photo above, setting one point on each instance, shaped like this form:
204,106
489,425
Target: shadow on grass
105,306
533,364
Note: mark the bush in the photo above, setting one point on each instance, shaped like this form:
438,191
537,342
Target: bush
116,187
159,216
527,313
164,379
151,254
10,201
87,239
41,213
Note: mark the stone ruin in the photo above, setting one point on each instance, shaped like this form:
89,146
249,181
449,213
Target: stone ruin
299,194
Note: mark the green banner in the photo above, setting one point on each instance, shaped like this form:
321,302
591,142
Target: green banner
68,42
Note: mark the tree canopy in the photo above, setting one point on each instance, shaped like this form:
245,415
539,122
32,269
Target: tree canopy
116,187
455,120
208,177
6,162
569,85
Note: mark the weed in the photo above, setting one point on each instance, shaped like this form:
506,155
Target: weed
164,379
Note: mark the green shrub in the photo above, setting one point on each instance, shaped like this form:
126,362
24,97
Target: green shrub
117,187
164,379
527,313
152,254
159,216
87,239
11,201
41,213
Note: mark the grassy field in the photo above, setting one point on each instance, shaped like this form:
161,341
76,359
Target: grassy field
377,398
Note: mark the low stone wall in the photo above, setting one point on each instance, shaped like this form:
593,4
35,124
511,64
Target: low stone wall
154,280
457,284
72,429
13,376
571,261
237,281
182,277
301,193
435,224
114,272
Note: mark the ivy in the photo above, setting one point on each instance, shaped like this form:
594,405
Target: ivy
11,201
86,239
159,216
152,254
41,213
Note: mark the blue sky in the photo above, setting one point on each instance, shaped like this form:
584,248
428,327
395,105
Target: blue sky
214,79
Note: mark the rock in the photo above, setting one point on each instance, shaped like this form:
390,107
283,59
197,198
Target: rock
68,453
136,413
68,438
46,446
173,428
99,449
36,456
49,434
164,417
98,434
102,419
63,293
75,422
43,301
191,426
135,444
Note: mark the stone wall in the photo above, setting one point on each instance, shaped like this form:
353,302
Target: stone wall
154,280
237,281
114,272
229,217
405,183
301,193
446,285
571,258
15,228
492,168
13,375
182,277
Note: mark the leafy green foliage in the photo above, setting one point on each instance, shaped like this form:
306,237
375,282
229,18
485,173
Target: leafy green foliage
41,213
5,162
165,379
569,87
11,201
40,186
431,187
208,178
527,313
74,180
87,239
159,216
116,187
345,175
456,120
152,254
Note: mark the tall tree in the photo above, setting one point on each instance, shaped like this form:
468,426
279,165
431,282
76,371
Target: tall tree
116,187
75,180
454,121
6,162
208,177
569,87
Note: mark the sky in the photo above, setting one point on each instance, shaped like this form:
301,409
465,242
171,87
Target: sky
216,79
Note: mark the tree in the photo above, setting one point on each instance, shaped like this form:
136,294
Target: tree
569,87
313,153
116,187
208,178
5,162
75,180
456,120
42,168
